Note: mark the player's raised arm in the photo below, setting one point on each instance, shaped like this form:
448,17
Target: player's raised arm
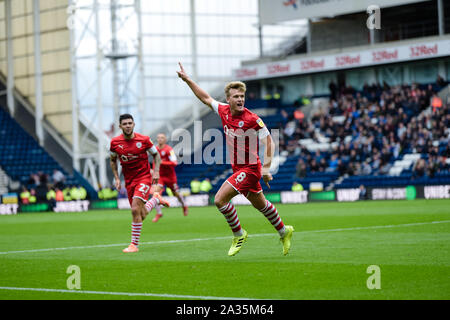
201,94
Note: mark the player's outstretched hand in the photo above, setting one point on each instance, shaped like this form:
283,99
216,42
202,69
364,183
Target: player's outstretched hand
182,74
267,177
117,184
155,177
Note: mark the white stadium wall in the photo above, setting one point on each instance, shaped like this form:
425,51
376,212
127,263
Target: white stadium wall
380,54
55,58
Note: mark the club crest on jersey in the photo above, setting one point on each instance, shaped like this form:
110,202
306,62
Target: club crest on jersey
139,145
241,124
163,153
260,123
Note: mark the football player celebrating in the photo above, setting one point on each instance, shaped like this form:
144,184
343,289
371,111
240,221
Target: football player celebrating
243,129
131,149
168,177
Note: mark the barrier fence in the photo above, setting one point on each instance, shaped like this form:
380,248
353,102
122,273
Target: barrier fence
285,197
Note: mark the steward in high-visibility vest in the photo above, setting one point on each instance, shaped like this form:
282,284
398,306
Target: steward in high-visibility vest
436,103
33,198
67,196
195,186
297,187
83,193
205,186
51,194
25,196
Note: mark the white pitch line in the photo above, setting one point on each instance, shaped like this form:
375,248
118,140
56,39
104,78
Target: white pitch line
130,294
222,238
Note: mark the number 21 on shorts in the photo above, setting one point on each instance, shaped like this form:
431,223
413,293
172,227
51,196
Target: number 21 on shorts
144,188
240,177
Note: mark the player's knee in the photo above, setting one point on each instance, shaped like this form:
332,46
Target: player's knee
135,210
219,202
259,205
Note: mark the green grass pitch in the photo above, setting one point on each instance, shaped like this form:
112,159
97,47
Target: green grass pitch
332,247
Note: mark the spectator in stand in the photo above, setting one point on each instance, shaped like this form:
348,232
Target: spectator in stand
419,169
285,117
441,82
318,156
354,156
323,166
366,168
314,166
333,164
376,161
301,168
333,90
341,167
362,193
431,167
384,168
58,179
33,181
43,179
290,128
442,165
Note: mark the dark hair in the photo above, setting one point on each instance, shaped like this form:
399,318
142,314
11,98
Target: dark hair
125,116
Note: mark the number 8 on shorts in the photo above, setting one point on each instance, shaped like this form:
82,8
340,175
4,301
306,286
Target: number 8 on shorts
240,177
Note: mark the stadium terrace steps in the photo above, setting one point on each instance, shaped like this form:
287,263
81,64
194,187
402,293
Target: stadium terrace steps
4,181
25,156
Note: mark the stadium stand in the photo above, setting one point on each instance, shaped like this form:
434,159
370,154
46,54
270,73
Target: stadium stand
380,136
26,157
374,137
